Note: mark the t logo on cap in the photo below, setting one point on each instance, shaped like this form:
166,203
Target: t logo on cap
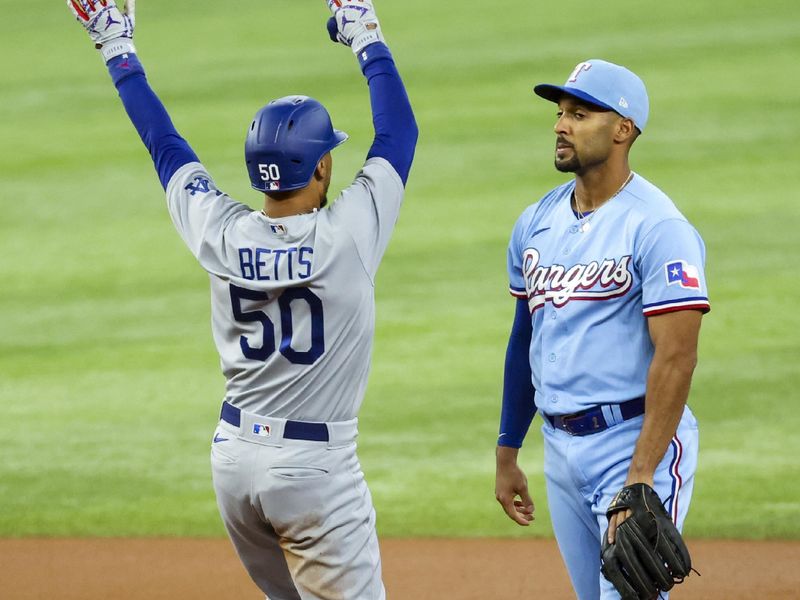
584,66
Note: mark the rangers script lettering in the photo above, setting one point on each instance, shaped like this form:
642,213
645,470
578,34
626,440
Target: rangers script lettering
564,283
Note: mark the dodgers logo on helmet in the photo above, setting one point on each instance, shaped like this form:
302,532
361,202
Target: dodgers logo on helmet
286,140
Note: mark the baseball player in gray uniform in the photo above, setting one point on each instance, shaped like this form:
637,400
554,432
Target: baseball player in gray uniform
292,307
610,289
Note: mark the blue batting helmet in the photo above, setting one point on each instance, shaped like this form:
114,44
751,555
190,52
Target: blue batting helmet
286,140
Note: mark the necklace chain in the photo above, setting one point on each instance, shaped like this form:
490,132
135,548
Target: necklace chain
585,225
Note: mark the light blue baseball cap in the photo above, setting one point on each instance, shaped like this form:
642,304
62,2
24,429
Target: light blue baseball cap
606,85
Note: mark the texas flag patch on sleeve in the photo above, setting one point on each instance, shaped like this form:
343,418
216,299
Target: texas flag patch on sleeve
682,273
684,290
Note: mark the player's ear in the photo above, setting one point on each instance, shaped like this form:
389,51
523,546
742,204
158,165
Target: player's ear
625,131
322,169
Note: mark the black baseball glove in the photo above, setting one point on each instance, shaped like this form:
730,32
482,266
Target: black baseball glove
648,555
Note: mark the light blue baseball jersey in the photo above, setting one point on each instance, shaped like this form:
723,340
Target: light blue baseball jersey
590,292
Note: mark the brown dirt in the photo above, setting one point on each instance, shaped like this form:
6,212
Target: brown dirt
414,569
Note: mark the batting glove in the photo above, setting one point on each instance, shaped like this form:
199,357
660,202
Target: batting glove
110,30
354,24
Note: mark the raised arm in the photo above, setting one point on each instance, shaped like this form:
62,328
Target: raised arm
112,32
355,24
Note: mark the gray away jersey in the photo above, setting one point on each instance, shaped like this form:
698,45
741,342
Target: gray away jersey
292,303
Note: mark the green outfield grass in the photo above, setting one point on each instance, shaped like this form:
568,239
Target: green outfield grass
109,382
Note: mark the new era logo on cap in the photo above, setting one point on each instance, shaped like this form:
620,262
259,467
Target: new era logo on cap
606,85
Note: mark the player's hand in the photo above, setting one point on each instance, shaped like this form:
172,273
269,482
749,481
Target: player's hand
111,30
354,24
618,518
511,490
615,521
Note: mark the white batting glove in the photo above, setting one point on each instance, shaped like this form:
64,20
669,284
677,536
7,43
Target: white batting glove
110,30
355,24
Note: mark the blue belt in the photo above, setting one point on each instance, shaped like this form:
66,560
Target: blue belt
294,430
592,419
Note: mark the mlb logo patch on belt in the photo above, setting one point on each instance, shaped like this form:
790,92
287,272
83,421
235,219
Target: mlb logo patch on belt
262,430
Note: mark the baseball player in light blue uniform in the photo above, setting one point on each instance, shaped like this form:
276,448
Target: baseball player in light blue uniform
610,289
292,307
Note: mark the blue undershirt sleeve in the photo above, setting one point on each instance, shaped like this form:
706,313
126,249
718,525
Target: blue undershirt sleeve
395,127
518,407
167,148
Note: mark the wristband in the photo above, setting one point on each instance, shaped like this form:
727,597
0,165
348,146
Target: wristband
117,47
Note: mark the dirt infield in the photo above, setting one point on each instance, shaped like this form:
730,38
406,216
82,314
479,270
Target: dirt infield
414,569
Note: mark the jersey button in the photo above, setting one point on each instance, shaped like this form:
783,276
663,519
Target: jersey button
573,229
553,399
553,315
552,357
566,251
